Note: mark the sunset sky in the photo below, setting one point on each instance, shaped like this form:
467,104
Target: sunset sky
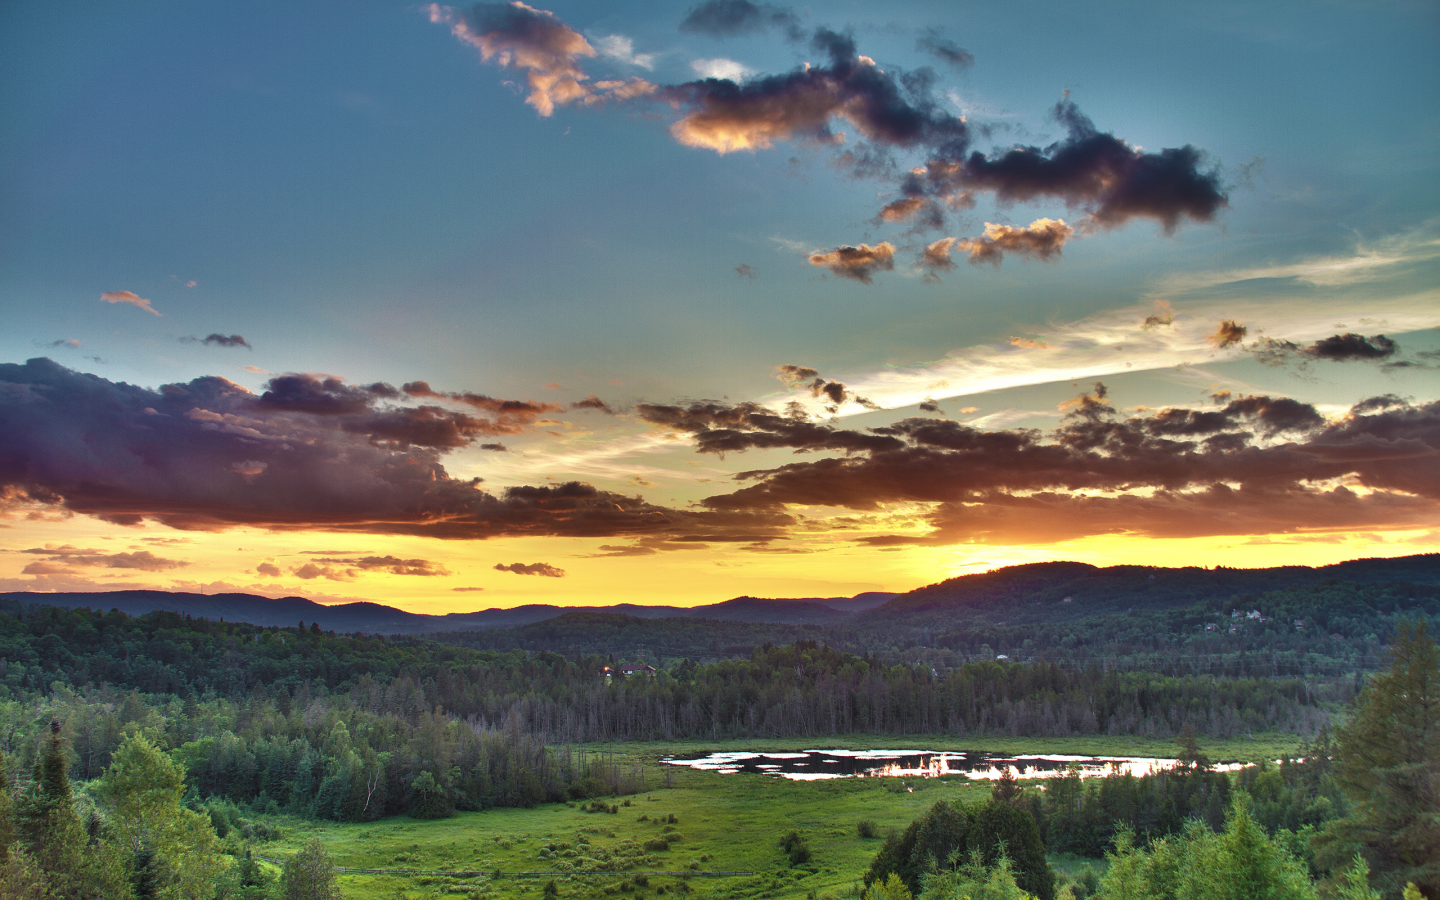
460,307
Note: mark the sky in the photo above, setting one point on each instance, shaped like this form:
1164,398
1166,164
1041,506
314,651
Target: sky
459,307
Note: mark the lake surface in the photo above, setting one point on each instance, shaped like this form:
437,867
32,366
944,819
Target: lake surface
808,765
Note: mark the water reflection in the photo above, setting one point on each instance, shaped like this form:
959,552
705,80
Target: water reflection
807,765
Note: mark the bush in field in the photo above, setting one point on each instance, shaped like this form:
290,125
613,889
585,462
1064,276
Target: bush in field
867,828
795,848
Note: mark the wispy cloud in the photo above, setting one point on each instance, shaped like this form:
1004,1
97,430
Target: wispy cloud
131,298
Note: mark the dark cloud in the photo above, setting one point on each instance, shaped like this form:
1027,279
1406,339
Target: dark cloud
424,426
728,18
794,376
834,390
889,108
388,564
612,550
1090,169
857,263
723,428
543,569
64,342
1090,405
1347,347
467,589
1162,317
930,406
498,448
269,570
509,416
1227,334
875,113
922,212
593,402
1255,465
744,270
319,395
944,49
1042,239
65,557
210,455
218,340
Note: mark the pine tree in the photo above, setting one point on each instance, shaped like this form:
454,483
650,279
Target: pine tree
7,812
51,836
1389,767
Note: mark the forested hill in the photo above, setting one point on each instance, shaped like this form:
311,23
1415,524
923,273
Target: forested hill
1070,591
375,618
1040,593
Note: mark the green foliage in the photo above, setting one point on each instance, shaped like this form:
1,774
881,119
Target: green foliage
974,880
1240,863
71,861
174,849
1389,766
999,832
309,875
950,834
867,828
891,888
7,811
795,848
1354,884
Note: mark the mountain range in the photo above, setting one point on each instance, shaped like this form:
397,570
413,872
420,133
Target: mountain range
1055,591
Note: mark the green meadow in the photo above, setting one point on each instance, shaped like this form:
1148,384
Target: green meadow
701,822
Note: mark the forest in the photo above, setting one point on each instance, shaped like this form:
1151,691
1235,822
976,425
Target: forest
267,722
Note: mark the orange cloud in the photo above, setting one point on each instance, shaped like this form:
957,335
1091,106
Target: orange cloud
130,298
517,36
1228,334
857,263
1042,238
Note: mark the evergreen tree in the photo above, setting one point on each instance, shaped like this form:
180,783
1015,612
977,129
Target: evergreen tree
7,811
309,875
1001,831
1389,766
48,827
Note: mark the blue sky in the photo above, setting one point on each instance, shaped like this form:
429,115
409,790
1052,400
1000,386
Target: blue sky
358,193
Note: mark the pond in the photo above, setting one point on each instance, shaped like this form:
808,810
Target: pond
810,765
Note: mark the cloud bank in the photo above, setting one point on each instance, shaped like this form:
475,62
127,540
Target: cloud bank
310,453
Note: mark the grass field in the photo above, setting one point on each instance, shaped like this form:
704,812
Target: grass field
725,822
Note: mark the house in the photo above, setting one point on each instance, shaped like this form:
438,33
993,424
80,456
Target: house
641,669
1299,624
1068,600
1254,614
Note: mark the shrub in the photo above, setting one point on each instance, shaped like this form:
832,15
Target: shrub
867,828
657,844
795,848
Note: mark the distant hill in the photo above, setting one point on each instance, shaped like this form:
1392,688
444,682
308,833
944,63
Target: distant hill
375,618
1016,595
1070,591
